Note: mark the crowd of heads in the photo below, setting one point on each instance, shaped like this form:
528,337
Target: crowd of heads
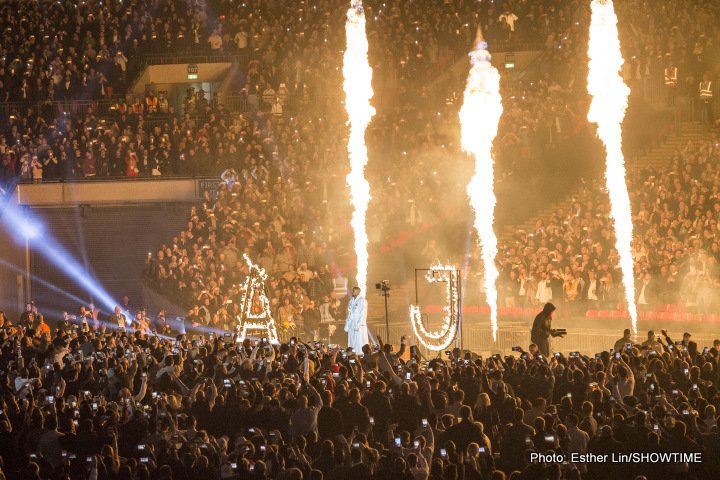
679,34
290,50
55,128
86,399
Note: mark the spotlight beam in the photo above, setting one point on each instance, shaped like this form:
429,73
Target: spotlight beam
44,282
23,228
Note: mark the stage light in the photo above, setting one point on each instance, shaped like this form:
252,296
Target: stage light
29,231
19,224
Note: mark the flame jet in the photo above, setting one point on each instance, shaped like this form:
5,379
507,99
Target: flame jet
607,110
479,118
357,84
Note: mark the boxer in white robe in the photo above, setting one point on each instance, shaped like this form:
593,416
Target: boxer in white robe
356,323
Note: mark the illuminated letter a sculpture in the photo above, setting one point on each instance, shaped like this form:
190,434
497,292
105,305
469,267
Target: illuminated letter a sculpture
250,318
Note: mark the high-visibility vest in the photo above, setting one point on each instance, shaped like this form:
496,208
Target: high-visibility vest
706,92
151,102
671,77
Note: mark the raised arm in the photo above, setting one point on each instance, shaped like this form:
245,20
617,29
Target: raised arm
386,366
143,389
253,353
316,395
430,442
184,388
213,394
608,369
631,375
401,350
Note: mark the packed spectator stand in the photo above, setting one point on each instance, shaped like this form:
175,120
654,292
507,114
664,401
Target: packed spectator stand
675,248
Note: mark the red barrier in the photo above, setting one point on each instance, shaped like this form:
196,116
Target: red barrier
667,313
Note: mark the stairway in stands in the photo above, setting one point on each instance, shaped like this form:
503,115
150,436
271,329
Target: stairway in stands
659,156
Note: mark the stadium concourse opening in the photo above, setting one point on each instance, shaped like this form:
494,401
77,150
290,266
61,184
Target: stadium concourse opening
190,190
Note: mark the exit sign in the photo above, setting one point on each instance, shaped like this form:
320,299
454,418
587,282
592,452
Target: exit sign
192,71
509,61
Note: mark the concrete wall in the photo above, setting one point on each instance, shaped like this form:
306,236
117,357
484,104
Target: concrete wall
141,191
108,227
111,243
12,267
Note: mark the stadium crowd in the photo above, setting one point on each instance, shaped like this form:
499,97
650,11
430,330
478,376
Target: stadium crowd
89,50
292,63
85,399
547,108
47,136
572,258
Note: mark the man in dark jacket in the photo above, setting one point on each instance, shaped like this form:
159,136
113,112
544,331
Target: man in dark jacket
542,329
330,420
354,414
465,432
311,320
379,407
517,439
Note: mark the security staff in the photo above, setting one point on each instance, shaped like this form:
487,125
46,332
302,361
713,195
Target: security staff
671,80
705,91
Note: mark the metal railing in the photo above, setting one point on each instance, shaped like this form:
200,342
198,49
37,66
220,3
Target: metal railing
684,104
142,178
478,337
106,107
195,56
101,106
515,47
